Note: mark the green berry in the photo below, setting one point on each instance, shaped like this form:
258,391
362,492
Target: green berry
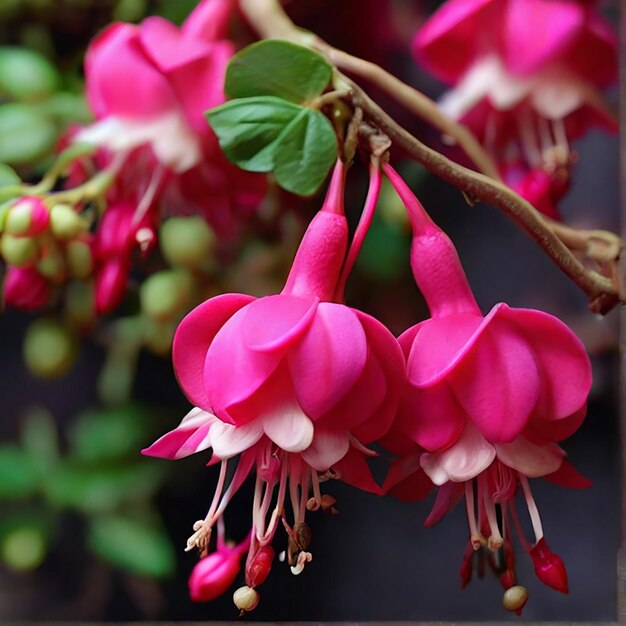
49,348
166,294
187,241
19,251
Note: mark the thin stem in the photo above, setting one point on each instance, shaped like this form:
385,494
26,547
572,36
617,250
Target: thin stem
362,228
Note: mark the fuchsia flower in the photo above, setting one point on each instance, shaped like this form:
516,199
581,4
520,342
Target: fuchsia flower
149,86
526,76
25,288
487,399
294,383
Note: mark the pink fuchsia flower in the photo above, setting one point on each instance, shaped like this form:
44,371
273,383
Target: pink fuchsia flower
149,86
294,383
487,398
526,76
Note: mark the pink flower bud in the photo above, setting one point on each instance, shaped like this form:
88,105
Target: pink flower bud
259,568
116,233
25,288
214,574
549,567
110,285
28,216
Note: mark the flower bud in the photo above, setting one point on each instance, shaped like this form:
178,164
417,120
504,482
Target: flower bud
19,251
259,568
165,294
79,303
186,241
246,599
65,223
25,288
116,232
23,549
51,264
111,285
214,574
27,217
549,567
79,258
49,348
515,599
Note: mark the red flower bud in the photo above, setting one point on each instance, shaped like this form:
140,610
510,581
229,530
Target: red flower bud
25,288
549,567
259,568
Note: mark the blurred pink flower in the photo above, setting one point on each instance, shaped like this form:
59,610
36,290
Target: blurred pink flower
25,288
526,76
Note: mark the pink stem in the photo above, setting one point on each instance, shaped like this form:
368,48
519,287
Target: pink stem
361,230
434,259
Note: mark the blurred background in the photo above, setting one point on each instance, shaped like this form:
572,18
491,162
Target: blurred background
90,530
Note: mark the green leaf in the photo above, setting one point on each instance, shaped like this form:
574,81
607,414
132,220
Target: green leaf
277,68
19,473
139,546
307,151
25,135
109,434
26,75
95,490
249,130
265,133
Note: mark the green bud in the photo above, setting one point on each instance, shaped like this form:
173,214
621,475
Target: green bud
19,251
49,348
79,302
187,241
158,336
18,220
24,549
79,259
166,294
52,264
65,223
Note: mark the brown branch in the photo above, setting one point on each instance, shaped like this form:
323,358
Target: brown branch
269,20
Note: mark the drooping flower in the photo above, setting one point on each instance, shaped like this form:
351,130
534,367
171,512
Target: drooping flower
487,399
149,86
294,383
526,78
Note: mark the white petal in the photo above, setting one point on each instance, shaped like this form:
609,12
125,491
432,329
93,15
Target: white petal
530,459
555,99
467,458
327,447
173,141
229,440
288,427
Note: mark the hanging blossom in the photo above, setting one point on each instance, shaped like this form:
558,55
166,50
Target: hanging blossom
291,387
487,400
526,78
149,86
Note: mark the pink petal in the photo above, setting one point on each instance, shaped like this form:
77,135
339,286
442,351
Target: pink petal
431,417
439,345
557,430
355,471
276,322
208,21
406,480
199,85
448,496
327,447
193,337
537,32
568,476
120,79
467,458
329,358
497,382
191,435
530,459
164,44
228,440
448,42
386,351
563,363
288,427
